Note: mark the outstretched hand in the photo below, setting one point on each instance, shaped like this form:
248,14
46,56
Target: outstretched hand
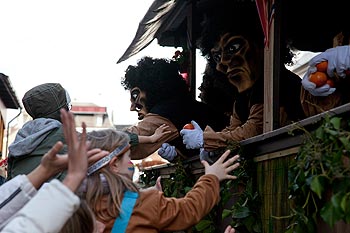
53,163
159,133
229,229
77,151
222,168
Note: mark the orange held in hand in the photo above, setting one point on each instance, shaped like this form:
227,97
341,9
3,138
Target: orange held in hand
330,82
319,78
322,66
188,126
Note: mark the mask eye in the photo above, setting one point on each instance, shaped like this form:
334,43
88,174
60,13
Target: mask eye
134,94
234,48
216,57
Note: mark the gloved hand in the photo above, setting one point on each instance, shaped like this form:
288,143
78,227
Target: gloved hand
338,59
324,90
192,138
205,155
167,152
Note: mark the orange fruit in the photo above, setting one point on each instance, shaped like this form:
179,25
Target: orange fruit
319,78
188,126
322,66
330,82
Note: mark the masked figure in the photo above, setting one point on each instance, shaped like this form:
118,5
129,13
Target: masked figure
160,95
236,50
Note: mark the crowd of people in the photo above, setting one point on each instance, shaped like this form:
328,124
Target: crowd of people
97,193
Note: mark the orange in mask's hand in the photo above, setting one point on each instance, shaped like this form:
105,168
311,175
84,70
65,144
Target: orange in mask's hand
188,126
319,78
330,82
322,66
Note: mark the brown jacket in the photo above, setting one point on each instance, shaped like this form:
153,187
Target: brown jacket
147,127
153,212
237,130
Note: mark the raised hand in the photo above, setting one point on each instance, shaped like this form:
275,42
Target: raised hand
222,168
229,229
159,133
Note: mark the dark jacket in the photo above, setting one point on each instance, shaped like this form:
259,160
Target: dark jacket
43,103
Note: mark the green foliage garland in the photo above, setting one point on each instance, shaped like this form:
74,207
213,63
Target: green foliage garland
242,214
319,178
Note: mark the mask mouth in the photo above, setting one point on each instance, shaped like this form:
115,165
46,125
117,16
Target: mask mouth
138,107
141,115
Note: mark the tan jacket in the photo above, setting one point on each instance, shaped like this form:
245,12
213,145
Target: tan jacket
153,212
147,127
237,130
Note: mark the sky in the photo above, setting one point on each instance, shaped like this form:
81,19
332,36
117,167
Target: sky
76,43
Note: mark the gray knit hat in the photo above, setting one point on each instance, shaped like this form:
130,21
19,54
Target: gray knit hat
45,101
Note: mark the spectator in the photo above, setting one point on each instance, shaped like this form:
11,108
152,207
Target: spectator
109,139
107,188
36,137
20,200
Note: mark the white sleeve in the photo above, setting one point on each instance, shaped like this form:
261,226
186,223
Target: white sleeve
48,211
14,194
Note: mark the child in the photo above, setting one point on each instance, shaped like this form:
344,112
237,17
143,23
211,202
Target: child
108,189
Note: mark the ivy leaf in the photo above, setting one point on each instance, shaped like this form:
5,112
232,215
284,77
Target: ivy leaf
203,224
345,142
336,200
240,212
317,185
319,133
327,214
226,213
331,212
335,121
331,132
344,204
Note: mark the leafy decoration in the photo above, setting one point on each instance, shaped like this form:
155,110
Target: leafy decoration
319,177
242,213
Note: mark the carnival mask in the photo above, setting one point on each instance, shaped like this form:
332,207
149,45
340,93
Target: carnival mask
235,58
137,99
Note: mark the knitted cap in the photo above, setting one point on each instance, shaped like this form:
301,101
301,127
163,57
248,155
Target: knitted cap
45,101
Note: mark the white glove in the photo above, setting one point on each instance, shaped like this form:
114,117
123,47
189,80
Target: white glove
167,152
192,138
324,90
205,155
338,60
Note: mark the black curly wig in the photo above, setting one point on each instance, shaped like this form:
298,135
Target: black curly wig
216,91
159,78
239,17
